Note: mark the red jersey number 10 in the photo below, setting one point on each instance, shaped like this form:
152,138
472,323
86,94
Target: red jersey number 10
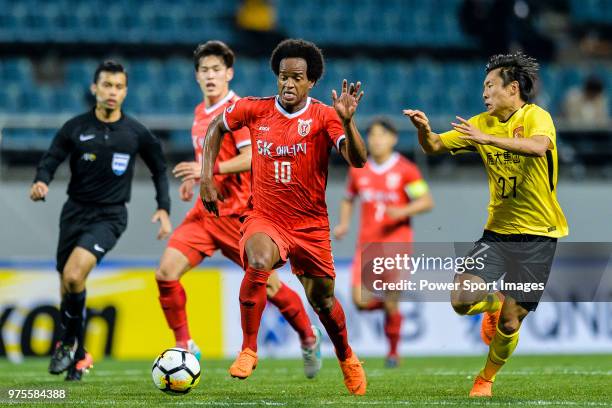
282,172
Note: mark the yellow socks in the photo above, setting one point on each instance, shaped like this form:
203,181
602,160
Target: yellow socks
491,303
500,350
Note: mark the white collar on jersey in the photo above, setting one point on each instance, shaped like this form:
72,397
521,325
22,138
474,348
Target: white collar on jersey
223,101
381,168
288,115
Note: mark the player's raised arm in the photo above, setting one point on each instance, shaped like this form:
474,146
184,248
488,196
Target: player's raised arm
430,142
353,150
534,146
212,143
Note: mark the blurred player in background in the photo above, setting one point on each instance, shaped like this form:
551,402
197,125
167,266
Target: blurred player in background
516,140
102,145
391,191
201,233
292,136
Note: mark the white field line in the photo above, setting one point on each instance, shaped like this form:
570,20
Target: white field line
370,373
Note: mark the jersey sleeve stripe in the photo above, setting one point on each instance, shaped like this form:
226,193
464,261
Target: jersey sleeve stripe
465,148
551,170
341,138
243,144
225,121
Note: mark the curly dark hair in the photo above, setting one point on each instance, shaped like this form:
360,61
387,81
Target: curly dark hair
214,47
294,48
516,67
109,66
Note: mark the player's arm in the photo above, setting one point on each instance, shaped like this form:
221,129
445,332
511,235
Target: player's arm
430,142
534,146
346,212
346,206
153,156
212,144
237,164
58,151
418,206
352,148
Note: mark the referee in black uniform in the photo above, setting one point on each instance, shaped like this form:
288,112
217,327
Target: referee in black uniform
102,145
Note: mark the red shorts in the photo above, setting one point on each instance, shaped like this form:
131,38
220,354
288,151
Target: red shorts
379,248
308,249
200,235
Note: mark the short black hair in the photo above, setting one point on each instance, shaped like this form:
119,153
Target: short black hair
214,47
296,48
383,121
109,66
516,67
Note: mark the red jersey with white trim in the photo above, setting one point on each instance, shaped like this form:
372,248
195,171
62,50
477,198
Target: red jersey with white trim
235,188
290,158
380,186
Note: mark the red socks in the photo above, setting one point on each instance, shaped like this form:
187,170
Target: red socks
173,299
393,325
334,322
291,307
252,303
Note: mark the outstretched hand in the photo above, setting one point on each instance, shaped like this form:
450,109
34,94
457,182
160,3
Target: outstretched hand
187,170
346,104
470,132
418,119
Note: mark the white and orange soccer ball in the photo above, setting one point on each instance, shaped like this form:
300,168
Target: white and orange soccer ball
176,371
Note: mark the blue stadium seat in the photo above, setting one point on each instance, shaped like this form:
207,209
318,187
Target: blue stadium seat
393,22
26,139
168,87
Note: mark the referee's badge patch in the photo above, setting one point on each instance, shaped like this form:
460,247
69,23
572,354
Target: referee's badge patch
120,163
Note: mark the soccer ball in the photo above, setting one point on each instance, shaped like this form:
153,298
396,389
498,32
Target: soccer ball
176,371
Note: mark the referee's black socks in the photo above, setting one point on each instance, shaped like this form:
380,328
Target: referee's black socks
73,320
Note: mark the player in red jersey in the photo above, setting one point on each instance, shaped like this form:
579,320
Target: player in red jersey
391,191
292,136
201,234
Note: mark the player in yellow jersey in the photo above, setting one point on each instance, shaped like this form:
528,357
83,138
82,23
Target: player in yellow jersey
517,142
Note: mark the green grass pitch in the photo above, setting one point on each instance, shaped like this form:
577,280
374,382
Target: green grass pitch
526,381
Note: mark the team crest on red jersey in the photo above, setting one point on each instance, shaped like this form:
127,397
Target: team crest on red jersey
393,180
304,127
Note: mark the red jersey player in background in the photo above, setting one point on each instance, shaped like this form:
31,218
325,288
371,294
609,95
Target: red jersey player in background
391,191
201,233
292,136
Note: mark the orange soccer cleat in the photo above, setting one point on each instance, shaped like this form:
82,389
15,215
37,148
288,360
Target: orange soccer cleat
79,368
244,364
488,326
481,388
354,376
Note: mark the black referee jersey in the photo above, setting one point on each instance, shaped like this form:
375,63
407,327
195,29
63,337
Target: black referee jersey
102,157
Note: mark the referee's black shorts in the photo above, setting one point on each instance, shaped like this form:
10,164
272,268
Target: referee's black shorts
93,227
524,259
